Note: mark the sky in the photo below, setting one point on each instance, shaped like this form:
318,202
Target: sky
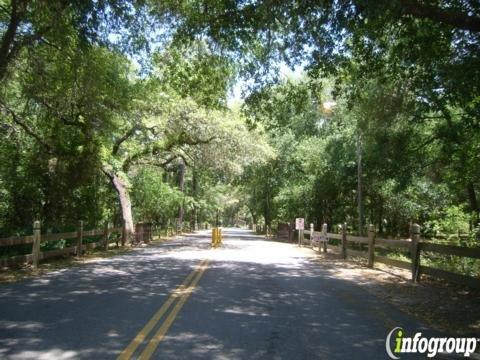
235,96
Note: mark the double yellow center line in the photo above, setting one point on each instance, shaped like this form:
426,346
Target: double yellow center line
181,293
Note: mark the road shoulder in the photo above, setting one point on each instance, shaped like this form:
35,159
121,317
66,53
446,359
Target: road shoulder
444,307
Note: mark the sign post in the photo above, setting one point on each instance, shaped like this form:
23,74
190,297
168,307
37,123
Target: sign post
300,226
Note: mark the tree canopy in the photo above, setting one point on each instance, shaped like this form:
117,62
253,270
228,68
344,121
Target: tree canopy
127,102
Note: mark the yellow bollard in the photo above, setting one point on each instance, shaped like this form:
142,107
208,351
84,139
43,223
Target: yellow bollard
216,237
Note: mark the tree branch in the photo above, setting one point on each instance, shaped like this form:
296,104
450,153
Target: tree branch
457,19
162,164
62,117
149,150
425,143
193,142
8,44
182,139
184,158
4,9
23,124
122,139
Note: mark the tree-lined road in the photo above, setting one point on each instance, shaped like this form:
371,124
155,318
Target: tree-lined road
249,299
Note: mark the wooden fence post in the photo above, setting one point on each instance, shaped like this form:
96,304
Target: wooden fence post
324,233
106,236
371,245
36,244
138,232
344,240
415,252
80,238
147,232
311,235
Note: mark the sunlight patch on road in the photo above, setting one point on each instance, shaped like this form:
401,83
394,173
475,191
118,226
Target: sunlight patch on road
260,252
21,325
88,291
244,311
40,282
108,270
56,354
200,345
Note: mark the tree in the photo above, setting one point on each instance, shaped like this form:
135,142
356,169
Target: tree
66,100
433,46
27,24
403,74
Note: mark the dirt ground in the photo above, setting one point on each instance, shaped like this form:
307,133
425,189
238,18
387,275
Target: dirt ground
445,307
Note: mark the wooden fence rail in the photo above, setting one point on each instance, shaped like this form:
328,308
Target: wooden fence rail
78,249
415,247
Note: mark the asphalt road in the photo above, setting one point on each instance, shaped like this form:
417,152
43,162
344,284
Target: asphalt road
250,299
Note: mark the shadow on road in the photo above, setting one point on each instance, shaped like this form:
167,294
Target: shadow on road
258,299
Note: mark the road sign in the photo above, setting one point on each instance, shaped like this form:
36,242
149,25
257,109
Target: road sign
299,224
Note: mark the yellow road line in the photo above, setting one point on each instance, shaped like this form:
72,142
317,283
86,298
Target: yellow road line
141,336
160,334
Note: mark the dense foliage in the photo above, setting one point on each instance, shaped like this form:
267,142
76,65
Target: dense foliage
406,174
84,128
125,102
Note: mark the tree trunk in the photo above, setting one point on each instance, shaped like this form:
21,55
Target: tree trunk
8,46
194,220
254,219
125,205
181,186
472,198
267,212
359,186
380,218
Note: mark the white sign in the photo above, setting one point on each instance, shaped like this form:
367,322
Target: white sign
299,224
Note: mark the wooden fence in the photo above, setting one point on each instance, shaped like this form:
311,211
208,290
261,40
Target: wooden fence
143,233
414,246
